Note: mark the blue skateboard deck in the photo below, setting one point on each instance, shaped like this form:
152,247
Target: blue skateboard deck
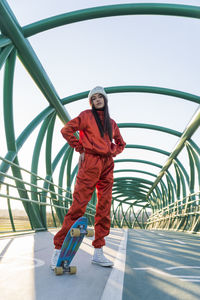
71,245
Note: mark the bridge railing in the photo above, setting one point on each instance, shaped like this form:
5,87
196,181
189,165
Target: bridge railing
183,215
28,206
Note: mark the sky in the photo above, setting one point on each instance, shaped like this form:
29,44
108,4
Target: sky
160,51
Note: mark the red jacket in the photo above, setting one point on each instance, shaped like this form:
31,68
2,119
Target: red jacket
90,139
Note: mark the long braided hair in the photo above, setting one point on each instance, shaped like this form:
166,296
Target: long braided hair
106,127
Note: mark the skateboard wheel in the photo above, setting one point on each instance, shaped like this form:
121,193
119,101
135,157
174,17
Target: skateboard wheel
72,270
75,232
58,270
90,233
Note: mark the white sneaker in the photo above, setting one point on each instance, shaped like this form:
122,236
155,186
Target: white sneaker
54,259
100,259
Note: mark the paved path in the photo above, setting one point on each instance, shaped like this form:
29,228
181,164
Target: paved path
25,273
148,265
162,265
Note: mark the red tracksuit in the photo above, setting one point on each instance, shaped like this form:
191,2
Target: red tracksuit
95,171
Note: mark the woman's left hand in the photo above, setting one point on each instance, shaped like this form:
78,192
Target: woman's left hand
81,159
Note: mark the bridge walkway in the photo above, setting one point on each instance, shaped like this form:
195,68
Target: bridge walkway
148,264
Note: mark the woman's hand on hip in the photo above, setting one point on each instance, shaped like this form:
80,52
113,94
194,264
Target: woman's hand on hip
81,159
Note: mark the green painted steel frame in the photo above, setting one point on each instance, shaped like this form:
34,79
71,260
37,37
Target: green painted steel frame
167,194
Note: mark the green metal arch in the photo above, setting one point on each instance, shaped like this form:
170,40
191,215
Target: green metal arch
111,11
137,89
151,127
146,162
120,89
128,188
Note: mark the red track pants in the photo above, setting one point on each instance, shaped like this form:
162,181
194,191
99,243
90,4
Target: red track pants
95,171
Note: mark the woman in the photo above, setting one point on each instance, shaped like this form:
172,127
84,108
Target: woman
96,132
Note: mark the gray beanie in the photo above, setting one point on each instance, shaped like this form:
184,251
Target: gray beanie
97,90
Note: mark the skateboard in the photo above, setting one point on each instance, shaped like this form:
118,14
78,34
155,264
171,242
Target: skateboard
71,245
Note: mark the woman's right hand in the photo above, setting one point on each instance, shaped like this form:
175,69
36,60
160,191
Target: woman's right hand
81,159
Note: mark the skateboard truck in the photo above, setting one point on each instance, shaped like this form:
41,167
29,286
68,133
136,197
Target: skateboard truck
75,232
64,268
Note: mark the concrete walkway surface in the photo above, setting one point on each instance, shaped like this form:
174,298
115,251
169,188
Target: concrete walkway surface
153,265
26,275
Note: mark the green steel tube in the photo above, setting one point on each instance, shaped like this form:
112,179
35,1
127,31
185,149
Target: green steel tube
63,153
10,156
171,191
9,209
194,146
119,89
182,179
49,171
4,54
124,190
30,60
145,162
189,131
149,148
10,134
196,161
48,149
124,219
32,214
36,152
178,184
194,168
137,89
161,152
115,217
61,172
130,183
59,156
138,161
111,11
10,26
4,42
127,188
8,102
34,170
151,127
137,171
48,160
68,171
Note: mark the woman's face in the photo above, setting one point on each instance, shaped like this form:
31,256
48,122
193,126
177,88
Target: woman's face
98,101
